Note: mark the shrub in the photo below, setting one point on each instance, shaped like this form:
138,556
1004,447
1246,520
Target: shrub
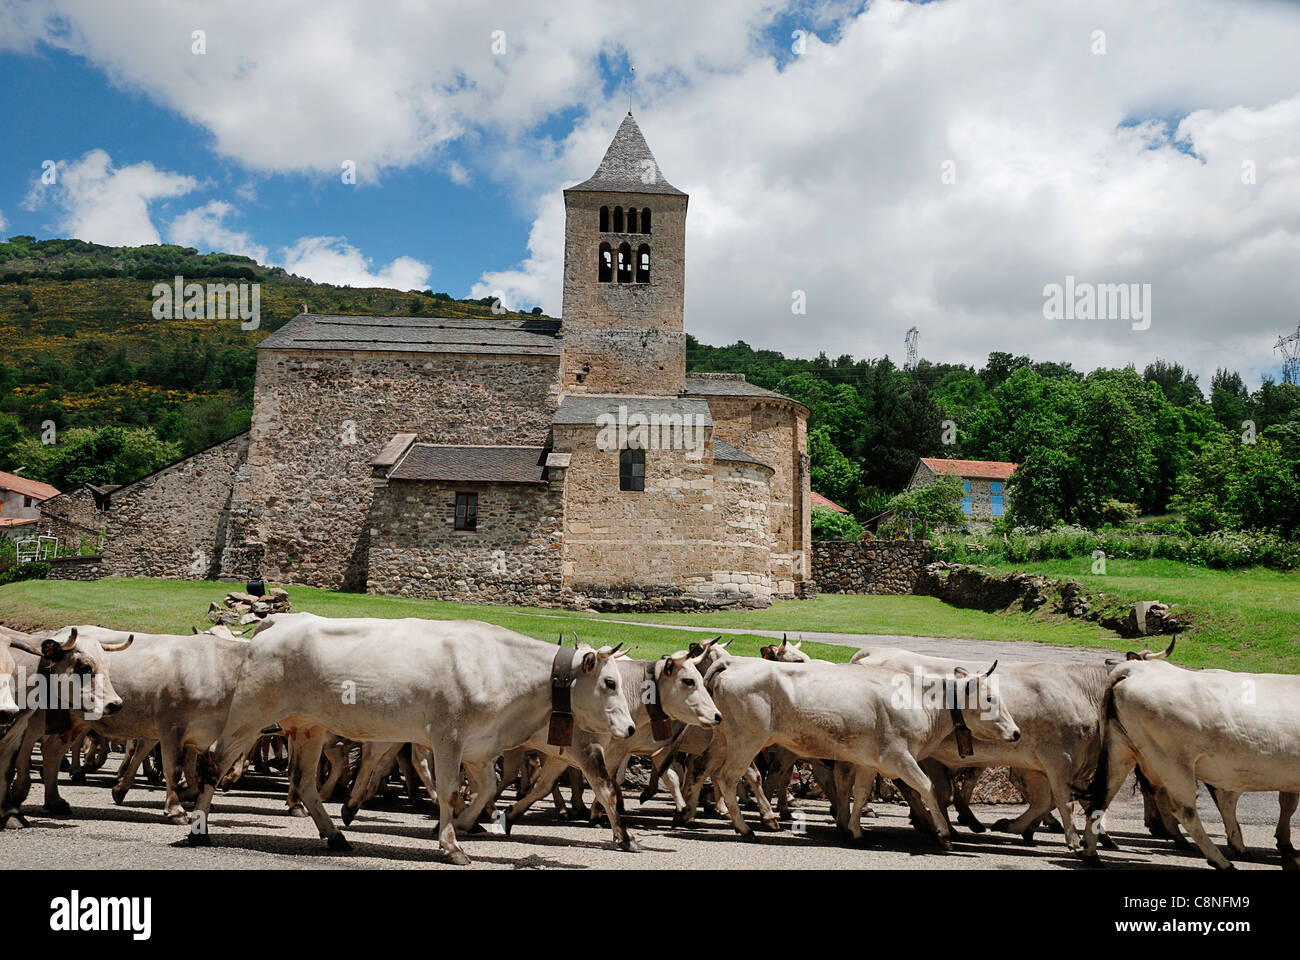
25,571
830,524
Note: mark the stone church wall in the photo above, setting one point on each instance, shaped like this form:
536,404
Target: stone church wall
512,557
174,523
742,494
319,419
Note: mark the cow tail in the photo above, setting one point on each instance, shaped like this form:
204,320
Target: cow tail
1095,794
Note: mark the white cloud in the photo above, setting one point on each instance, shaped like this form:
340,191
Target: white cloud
204,228
4,224
334,260
821,174
99,203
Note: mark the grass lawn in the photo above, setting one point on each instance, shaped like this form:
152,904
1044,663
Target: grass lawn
1241,619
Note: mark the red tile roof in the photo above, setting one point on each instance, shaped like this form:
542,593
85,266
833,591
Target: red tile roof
28,488
819,501
976,469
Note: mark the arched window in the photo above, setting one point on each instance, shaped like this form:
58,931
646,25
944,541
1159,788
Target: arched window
631,470
631,220
625,263
618,219
645,220
604,219
643,263
605,265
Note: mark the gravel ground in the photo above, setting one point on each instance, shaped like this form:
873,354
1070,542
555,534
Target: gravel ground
252,830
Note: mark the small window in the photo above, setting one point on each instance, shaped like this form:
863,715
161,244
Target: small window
604,219
643,263
27,501
625,263
605,266
631,221
645,220
631,470
467,511
618,219
965,501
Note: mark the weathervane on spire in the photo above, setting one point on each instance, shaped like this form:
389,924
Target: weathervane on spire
632,71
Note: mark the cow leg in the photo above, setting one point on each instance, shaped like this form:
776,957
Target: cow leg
713,758
726,780
942,785
76,769
964,783
595,769
824,773
216,762
755,784
1181,791
674,785
422,761
446,770
52,750
375,760
10,745
305,748
1058,780
777,782
336,752
1288,802
22,775
172,750
138,750
408,773
845,782
547,779
483,782
910,772
1226,801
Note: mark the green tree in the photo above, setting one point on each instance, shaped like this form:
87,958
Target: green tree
935,506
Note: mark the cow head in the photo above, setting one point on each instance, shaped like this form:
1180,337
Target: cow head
598,698
981,708
680,687
76,651
1148,654
709,652
8,682
785,652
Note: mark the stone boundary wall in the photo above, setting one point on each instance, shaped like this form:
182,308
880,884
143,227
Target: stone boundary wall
869,566
77,568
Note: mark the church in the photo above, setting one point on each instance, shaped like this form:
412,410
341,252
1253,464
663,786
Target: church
508,459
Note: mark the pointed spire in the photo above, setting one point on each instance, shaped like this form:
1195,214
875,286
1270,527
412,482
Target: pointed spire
628,166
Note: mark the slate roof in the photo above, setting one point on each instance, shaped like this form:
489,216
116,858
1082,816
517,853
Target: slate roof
625,164
580,409
28,488
725,451
500,335
972,469
726,387
431,461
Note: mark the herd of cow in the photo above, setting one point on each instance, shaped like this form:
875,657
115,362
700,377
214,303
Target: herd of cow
463,701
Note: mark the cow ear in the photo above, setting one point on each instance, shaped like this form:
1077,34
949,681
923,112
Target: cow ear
589,662
1132,656
961,673
670,665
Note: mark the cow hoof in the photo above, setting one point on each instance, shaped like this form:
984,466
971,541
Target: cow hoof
629,846
78,777
1051,825
772,826
507,824
1291,864
349,814
1002,826
1245,855
1217,867
1028,838
1181,843
58,806
945,845
973,825
1286,849
473,828
338,842
1090,860
457,858
180,818
1107,843
298,810
15,816
119,796
783,815
681,821
749,836
198,840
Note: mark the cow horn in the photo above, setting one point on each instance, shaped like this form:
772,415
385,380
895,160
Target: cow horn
726,643
616,649
991,669
1163,655
798,645
113,647
560,642
25,647
71,641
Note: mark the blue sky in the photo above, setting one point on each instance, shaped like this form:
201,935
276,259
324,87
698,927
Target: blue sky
931,164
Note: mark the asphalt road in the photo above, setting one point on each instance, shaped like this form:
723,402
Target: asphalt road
250,829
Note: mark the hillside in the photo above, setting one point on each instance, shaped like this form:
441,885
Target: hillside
79,344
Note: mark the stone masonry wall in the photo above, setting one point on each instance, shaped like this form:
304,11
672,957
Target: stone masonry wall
512,557
869,566
174,523
319,419
774,432
742,494
77,568
72,517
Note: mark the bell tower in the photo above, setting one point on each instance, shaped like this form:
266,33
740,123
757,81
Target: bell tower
624,274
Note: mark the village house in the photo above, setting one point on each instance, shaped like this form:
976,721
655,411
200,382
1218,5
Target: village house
20,502
984,494
504,459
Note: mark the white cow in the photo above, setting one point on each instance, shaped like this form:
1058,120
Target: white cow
1239,732
468,690
863,718
72,652
176,690
678,687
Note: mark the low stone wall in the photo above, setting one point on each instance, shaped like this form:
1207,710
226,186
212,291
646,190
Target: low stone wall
77,568
868,566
